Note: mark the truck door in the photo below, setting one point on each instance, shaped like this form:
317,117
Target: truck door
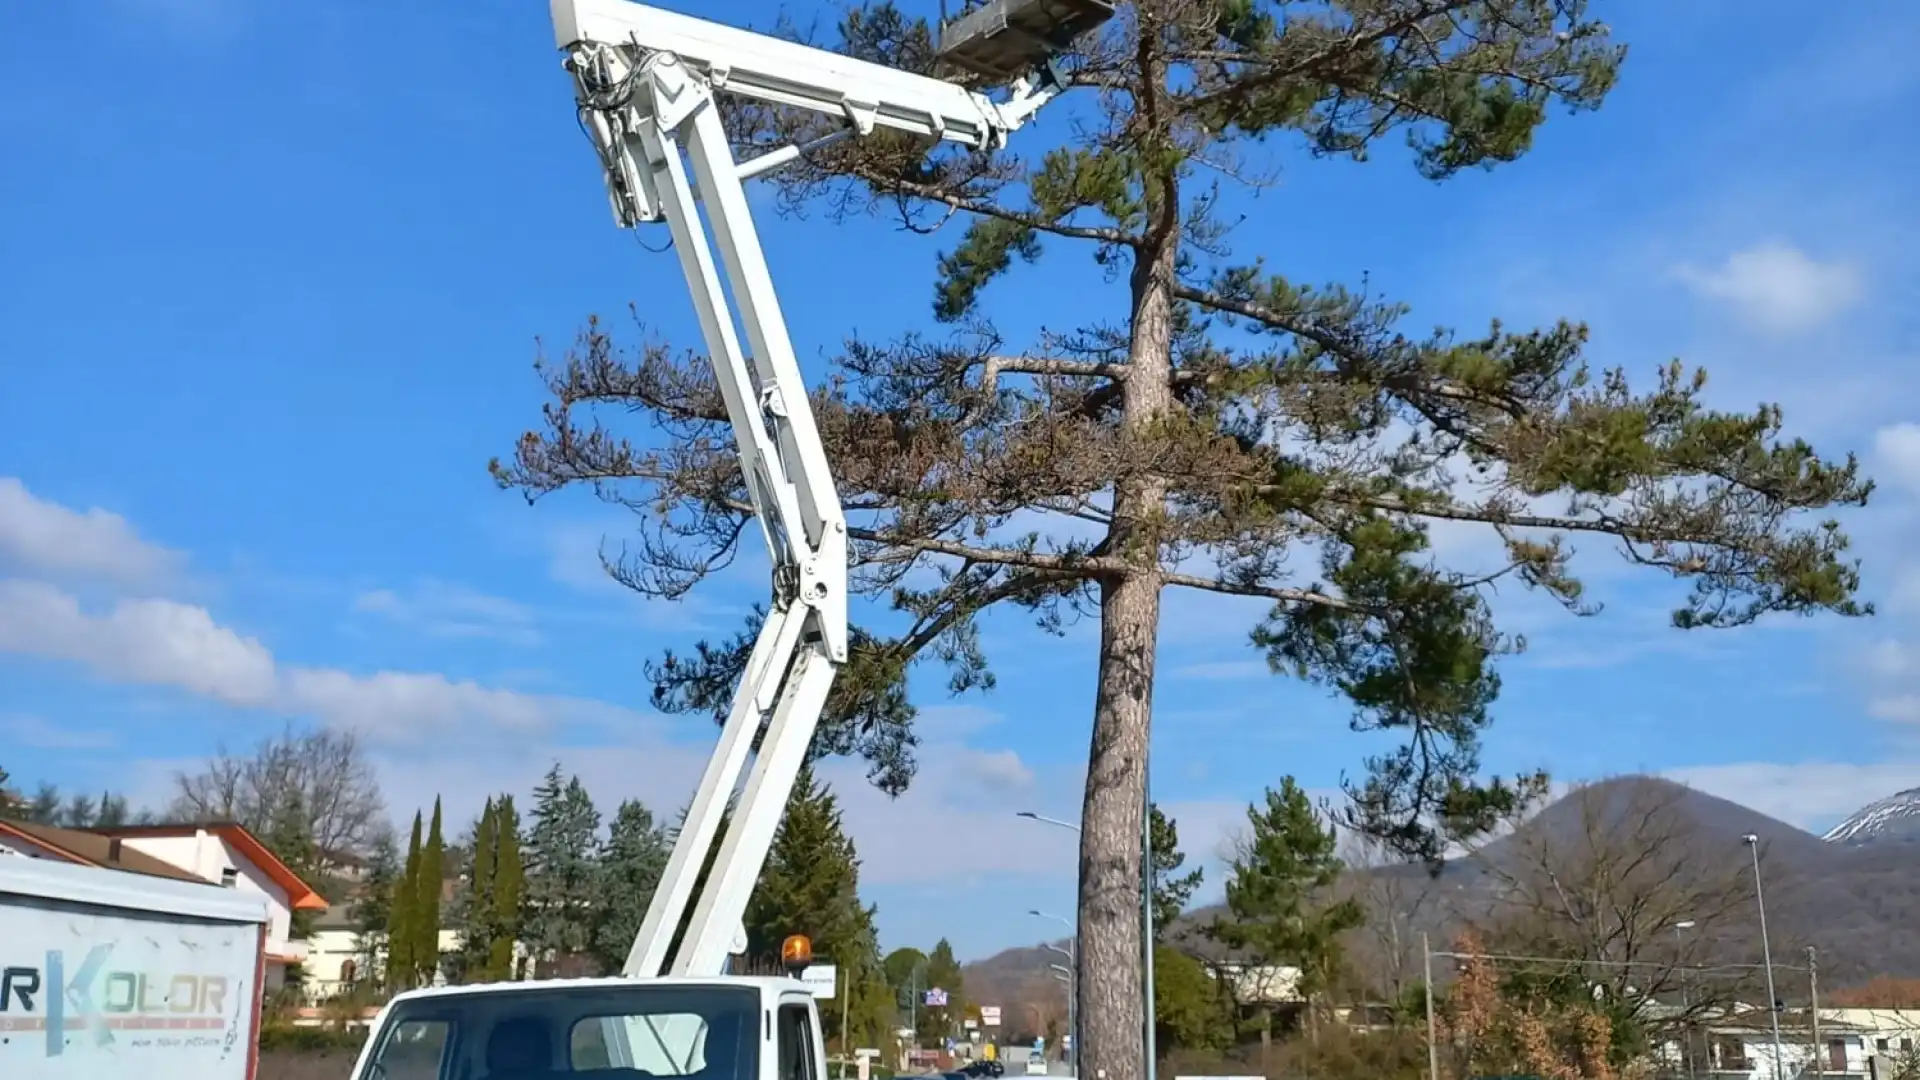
801,1051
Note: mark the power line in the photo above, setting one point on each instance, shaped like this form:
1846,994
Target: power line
1512,958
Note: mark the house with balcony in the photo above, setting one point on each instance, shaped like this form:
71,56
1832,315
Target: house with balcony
225,853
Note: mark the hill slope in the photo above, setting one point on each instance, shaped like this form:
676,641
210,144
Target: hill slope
1856,899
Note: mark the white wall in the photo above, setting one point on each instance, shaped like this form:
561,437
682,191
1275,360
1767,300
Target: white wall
11,845
207,856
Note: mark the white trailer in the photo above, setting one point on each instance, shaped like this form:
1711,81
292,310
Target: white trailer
106,973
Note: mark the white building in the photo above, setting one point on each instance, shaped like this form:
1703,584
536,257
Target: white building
217,853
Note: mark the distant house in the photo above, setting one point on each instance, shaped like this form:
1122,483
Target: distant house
1741,1043
225,853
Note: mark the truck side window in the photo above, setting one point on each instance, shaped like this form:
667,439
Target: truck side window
414,1050
796,1043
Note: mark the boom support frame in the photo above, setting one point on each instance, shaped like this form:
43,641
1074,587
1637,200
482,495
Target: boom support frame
646,82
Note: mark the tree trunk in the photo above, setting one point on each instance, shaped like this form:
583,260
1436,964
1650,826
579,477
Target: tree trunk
1111,1042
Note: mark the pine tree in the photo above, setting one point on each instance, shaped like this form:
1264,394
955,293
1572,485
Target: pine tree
402,923
1171,889
630,866
509,888
372,910
560,868
1218,412
811,886
426,903
1280,891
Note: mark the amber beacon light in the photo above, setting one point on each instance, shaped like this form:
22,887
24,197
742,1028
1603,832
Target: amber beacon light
796,952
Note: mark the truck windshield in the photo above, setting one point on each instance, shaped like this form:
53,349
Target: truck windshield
617,1032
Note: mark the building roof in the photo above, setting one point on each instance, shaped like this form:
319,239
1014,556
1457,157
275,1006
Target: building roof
95,849
300,895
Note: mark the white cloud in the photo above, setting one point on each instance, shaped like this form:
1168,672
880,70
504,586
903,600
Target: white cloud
1812,795
25,729
447,609
150,642
1777,287
1223,670
165,643
1898,449
46,539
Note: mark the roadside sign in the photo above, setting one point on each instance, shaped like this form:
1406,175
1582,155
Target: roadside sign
990,1015
822,979
936,998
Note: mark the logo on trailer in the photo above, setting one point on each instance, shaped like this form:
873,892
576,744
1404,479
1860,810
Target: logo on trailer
91,997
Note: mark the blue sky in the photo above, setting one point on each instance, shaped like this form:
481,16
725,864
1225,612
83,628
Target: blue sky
274,279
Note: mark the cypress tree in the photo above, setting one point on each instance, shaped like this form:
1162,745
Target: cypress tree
509,885
426,911
401,930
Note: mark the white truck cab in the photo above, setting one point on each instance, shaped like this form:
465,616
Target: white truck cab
726,1028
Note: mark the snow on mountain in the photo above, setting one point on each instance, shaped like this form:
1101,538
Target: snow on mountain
1896,817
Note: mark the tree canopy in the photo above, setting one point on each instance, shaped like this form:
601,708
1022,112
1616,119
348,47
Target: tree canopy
1172,890
560,870
1281,906
631,862
1214,424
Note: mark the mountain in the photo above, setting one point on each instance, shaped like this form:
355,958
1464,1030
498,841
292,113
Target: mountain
1892,820
1854,898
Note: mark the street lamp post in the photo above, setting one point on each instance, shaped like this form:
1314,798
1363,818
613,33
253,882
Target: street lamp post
1148,1037
1071,952
1686,1023
1066,976
1766,954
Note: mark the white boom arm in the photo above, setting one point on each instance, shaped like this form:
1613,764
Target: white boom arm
645,81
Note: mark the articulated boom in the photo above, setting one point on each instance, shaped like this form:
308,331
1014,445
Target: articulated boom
645,81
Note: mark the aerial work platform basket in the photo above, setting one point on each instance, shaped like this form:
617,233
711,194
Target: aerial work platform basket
998,41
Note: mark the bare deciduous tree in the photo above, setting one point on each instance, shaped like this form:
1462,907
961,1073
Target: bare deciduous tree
326,770
1626,888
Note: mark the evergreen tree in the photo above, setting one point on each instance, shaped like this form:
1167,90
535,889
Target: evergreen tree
402,924
560,869
1280,891
1218,411
811,886
1172,890
631,862
509,889
372,910
113,811
473,911
287,835
426,903
943,972
1192,1010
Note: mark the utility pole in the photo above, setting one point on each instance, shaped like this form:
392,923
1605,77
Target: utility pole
1686,1020
1766,952
1813,1006
1433,1040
